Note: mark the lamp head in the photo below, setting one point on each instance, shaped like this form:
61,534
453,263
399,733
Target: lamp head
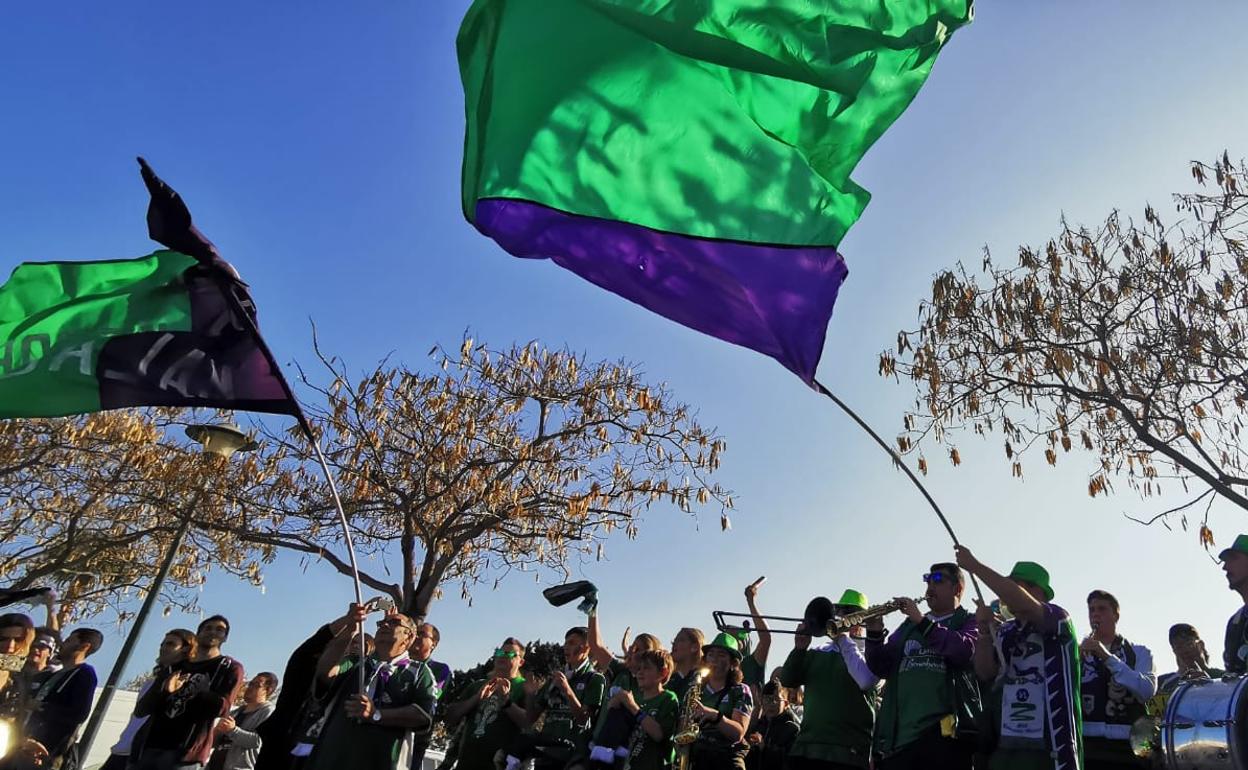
222,439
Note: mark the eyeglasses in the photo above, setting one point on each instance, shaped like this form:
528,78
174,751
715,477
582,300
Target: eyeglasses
936,578
501,653
392,623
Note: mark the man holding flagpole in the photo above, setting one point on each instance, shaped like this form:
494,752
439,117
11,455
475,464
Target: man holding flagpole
1036,654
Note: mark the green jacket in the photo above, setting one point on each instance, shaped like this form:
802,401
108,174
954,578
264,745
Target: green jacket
839,714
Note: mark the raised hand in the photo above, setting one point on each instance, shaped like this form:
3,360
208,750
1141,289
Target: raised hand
358,707
965,559
801,640
909,608
984,615
174,682
531,686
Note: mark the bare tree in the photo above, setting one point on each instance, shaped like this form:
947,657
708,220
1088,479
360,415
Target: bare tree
1127,340
518,458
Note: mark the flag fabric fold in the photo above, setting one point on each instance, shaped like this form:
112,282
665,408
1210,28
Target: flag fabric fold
174,328
153,331
692,156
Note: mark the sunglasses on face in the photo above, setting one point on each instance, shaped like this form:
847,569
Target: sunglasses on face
501,653
936,578
392,623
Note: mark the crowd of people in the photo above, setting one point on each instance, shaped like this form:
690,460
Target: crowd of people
998,686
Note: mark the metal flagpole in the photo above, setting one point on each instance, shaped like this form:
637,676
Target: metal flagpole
897,459
226,283
169,223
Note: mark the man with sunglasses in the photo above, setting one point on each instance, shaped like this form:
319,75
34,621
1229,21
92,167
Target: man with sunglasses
494,713
931,706
368,730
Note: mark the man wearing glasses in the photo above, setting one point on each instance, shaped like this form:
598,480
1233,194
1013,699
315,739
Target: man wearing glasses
931,705
367,730
494,712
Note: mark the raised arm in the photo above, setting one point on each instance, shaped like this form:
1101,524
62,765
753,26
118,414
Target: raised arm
1022,604
462,708
984,657
328,664
598,652
760,625
54,619
883,653
793,673
1140,681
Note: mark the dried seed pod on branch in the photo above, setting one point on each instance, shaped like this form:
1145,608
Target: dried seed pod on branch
1130,337
91,504
500,459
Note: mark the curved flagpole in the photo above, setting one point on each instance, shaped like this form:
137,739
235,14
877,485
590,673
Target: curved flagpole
227,283
897,460
169,223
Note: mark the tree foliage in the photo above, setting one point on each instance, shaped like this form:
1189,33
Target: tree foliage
512,459
91,504
1126,340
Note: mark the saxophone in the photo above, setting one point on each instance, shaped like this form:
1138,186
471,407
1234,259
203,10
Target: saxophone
842,623
688,727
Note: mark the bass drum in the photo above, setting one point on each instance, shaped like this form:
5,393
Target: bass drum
1204,725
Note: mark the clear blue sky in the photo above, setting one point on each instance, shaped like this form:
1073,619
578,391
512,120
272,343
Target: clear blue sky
319,145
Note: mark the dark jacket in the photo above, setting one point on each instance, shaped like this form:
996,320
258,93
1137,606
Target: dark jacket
66,702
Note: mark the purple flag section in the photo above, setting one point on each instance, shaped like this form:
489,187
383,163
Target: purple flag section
776,300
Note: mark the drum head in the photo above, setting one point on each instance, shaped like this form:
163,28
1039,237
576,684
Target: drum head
1204,725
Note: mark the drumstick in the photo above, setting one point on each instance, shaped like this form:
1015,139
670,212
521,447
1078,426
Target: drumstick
758,583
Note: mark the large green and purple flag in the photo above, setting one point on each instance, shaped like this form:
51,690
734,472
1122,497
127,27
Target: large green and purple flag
692,156
167,329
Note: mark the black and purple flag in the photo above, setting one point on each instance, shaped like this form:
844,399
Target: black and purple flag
173,328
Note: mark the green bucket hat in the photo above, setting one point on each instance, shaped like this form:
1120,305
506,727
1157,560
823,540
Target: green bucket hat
852,598
1240,544
1033,573
726,642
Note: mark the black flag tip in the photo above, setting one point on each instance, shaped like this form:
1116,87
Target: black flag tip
169,220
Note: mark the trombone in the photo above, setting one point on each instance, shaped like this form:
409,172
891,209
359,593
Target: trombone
820,618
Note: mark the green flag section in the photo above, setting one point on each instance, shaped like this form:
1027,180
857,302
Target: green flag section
154,331
693,156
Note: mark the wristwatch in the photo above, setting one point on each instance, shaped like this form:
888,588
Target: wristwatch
376,717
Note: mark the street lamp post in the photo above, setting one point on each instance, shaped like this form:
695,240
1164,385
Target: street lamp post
222,440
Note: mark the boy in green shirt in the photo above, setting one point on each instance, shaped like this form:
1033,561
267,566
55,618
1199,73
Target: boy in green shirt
494,713
568,699
654,712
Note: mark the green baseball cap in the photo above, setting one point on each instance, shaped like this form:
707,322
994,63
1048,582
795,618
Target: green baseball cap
726,642
852,598
1033,573
1240,544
